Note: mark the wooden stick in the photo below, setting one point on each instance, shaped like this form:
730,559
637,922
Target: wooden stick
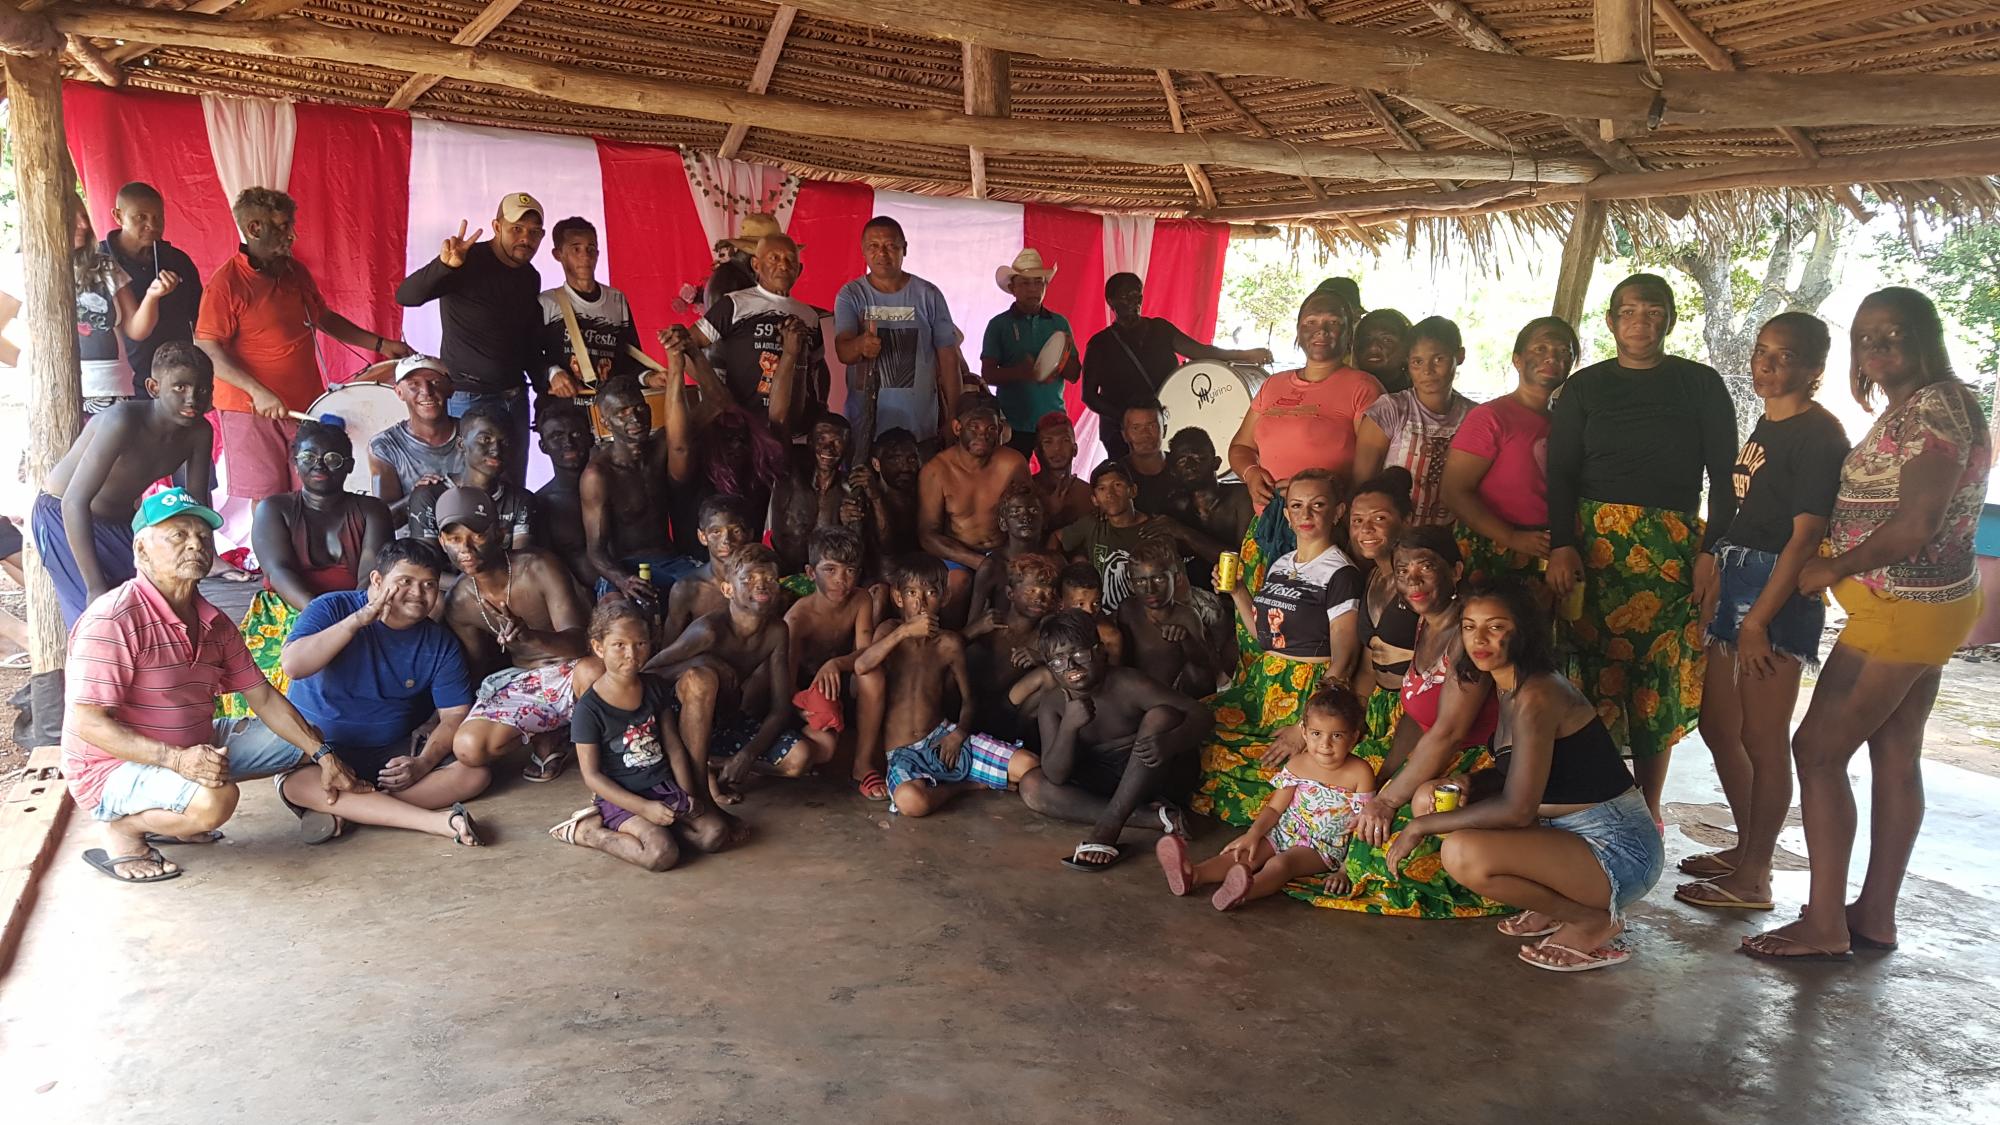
760,77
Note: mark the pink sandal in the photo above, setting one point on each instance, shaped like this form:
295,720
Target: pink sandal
1172,852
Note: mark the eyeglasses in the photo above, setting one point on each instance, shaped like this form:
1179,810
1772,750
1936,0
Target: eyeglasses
332,461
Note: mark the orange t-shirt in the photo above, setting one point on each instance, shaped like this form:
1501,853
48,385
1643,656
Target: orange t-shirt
1303,425
268,325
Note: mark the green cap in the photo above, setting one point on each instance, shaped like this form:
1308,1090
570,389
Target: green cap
167,503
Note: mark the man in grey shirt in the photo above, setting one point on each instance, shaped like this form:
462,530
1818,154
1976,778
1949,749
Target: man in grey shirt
422,449
900,323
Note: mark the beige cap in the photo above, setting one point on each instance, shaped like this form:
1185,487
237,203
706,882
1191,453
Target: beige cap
515,204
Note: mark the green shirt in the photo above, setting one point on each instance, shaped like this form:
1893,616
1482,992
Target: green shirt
1014,337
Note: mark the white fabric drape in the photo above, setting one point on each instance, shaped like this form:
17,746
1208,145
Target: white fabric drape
726,190
956,244
252,140
1128,244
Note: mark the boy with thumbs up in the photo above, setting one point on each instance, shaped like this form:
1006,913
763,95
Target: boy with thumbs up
898,324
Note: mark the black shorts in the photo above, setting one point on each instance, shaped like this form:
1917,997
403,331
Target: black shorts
10,539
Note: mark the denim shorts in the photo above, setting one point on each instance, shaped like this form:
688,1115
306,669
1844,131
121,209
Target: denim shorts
254,751
1742,575
1626,842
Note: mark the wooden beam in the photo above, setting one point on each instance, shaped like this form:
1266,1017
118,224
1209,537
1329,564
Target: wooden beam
304,38
1197,176
417,85
93,61
1451,119
1249,42
47,195
1395,129
1256,125
1718,58
760,78
987,75
1586,234
1622,31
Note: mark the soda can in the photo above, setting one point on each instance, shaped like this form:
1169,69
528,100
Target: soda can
1228,571
1445,797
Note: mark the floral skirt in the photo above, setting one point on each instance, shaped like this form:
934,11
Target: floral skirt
1637,648
1489,560
265,628
1268,695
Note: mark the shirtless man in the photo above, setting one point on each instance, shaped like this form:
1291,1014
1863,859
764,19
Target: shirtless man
625,502
882,503
1065,497
729,670
1022,522
82,520
563,431
1010,650
1167,640
811,495
516,611
935,758
958,497
722,525
1118,749
829,628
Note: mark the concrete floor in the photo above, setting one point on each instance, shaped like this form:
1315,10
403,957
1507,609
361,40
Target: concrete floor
847,967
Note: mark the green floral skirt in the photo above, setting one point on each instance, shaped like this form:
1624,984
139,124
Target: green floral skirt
1268,695
1489,560
265,628
1637,648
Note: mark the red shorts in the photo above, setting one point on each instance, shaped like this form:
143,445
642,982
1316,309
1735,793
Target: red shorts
257,455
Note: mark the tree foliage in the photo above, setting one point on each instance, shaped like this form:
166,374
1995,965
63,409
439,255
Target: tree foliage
1960,269
1269,296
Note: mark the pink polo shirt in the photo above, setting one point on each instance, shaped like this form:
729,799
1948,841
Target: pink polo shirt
1303,425
130,652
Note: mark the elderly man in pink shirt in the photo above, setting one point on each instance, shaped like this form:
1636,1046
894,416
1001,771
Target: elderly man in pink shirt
142,749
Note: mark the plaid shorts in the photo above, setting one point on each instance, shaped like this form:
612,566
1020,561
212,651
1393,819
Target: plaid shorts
981,758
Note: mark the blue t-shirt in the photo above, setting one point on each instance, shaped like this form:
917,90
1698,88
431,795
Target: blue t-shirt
385,683
1012,338
913,323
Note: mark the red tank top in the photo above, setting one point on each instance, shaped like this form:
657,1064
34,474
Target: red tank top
1422,688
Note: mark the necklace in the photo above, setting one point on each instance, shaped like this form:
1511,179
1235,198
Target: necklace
506,606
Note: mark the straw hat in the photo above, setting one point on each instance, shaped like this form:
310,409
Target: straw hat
1028,263
753,227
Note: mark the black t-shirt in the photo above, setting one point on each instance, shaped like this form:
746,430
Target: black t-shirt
1155,492
178,309
741,330
1786,469
513,511
1299,602
491,314
1111,382
630,750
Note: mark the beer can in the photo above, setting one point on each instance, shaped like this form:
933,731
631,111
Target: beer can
1572,604
1445,797
1228,571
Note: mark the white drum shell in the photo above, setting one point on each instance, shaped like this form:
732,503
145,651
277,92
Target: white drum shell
1212,396
368,409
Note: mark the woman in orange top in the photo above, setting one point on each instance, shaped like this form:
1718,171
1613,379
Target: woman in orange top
1304,419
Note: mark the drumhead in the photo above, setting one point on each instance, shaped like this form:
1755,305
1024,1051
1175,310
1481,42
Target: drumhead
1051,358
368,409
1212,396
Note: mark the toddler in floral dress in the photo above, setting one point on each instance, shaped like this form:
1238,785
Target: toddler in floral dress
1303,827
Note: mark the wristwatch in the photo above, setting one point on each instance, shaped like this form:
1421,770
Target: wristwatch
325,748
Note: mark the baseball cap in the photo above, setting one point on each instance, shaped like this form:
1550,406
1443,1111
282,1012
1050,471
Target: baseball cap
410,365
469,506
167,503
515,204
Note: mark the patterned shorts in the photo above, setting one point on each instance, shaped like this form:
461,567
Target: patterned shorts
980,759
531,700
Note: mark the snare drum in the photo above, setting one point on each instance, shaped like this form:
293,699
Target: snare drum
1212,396
368,409
656,403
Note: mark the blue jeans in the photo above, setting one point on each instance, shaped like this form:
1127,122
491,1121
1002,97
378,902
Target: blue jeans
515,402
1626,842
1742,575
254,751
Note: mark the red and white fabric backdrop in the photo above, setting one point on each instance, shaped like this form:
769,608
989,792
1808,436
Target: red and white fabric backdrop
378,190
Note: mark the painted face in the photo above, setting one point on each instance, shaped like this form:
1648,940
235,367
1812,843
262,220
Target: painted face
1424,579
486,444
753,589
625,647
979,433
80,233
1153,583
185,392
883,250
829,445
722,534
1142,430
1371,522
1077,667
424,393
1432,369
776,264
1089,599
578,254
1113,495
1381,350
1021,518
916,595
566,440
141,222
472,552
1885,345
1778,365
270,235
1032,595
835,580
1639,321
1191,458
898,463
1057,446
181,548
516,242
1323,333
626,416
409,593
1544,363
322,465
1125,301
1485,625
1310,509
1328,738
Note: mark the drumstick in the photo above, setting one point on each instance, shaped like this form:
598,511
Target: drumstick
334,420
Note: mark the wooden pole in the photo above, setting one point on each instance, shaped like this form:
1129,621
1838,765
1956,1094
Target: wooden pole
306,38
760,77
1623,33
47,190
988,75
1586,233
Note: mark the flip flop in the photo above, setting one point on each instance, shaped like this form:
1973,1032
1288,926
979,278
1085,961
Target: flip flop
314,827
109,865
1172,852
874,786
1812,952
1509,927
565,832
156,840
1603,957
19,660
1707,865
1707,894
1173,822
1235,888
471,828
544,766
1872,945
1075,861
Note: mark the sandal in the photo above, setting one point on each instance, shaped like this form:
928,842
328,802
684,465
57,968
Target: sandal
1563,959
1112,853
314,827
1172,852
109,865
1707,865
545,765
566,831
1235,888
471,829
1513,927
1706,893
154,839
1173,821
1759,946
874,786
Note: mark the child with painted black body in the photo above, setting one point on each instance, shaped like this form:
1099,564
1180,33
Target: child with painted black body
651,795
829,627
722,524
1305,824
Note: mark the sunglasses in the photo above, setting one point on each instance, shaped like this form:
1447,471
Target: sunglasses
332,462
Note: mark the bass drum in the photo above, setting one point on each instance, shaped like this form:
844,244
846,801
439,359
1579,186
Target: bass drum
1211,396
367,409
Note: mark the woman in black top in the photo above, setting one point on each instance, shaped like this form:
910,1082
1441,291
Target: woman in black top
1125,365
1629,441
1568,837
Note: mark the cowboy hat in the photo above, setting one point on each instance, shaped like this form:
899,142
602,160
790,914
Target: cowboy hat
1028,263
754,227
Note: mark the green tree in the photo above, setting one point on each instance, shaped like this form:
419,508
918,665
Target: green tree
1960,269
1268,297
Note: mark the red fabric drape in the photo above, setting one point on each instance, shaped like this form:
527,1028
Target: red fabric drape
1074,240
1184,274
827,222
649,215
351,179
117,136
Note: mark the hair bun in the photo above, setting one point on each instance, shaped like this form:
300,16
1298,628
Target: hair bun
1395,480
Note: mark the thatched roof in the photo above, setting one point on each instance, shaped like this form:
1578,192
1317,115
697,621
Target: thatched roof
819,59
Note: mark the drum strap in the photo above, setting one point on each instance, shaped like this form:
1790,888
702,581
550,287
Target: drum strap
581,350
1137,367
